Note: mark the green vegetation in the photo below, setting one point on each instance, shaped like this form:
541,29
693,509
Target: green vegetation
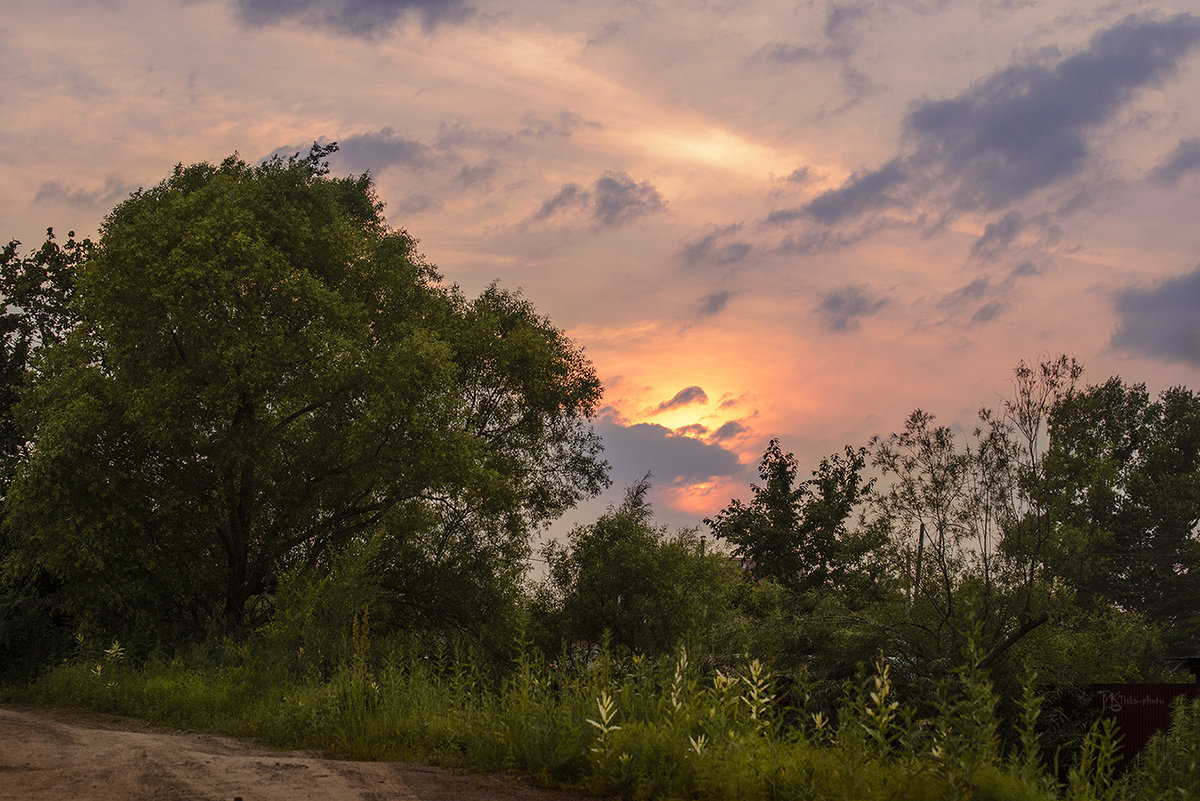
261,374
638,727
262,472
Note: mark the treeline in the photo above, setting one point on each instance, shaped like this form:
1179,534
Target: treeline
255,453
1058,537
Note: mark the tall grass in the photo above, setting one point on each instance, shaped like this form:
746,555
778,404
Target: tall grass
632,727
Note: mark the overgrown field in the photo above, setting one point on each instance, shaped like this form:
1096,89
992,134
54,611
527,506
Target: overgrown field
635,728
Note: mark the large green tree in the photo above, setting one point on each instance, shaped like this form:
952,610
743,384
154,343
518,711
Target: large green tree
1122,478
264,371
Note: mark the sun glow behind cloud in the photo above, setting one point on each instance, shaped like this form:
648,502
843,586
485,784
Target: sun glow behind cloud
704,498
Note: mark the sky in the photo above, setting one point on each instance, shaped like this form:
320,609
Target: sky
758,219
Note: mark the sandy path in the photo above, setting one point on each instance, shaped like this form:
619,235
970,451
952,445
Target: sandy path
51,755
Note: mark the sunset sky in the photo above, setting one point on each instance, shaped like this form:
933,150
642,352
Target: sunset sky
759,219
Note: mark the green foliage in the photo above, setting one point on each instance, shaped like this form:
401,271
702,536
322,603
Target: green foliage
625,579
796,533
263,373
1124,476
1093,778
37,290
1169,766
643,727
315,612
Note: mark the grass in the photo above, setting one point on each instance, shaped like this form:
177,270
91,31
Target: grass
636,728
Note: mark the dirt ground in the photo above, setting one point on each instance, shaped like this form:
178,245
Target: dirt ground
51,755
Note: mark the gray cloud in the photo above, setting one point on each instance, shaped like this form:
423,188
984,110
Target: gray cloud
728,430
711,250
972,292
415,203
613,200
1183,159
841,17
782,53
997,236
568,197
800,175
842,309
714,303
1026,127
1163,322
812,240
459,133
1018,131
684,397
1026,269
634,450
988,311
477,175
560,126
981,295
841,21
114,189
379,150
862,192
618,199
355,17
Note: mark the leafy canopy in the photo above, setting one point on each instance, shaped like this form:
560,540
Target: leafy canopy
263,371
793,532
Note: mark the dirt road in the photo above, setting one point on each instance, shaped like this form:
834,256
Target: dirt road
49,755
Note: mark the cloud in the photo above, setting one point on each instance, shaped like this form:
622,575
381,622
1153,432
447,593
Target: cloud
646,447
728,430
477,175
997,236
711,250
782,53
1018,131
618,199
1162,322
568,197
1026,269
972,292
460,133
613,200
415,203
714,303
840,18
988,311
113,190
842,309
1027,127
864,191
379,150
1183,159
981,295
355,17
560,126
683,397
800,175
